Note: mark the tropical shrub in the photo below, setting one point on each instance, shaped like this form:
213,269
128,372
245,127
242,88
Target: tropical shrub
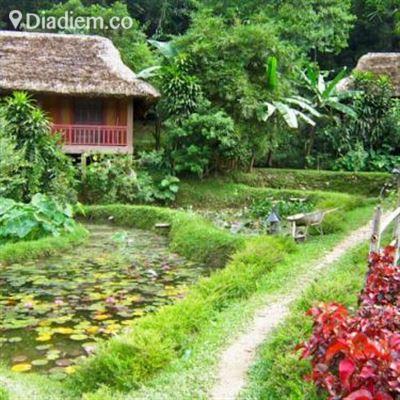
358,357
262,208
12,178
43,168
109,179
372,140
121,179
39,218
181,91
202,143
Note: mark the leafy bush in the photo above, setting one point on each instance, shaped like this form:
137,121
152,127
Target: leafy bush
43,167
41,217
12,163
120,179
262,208
372,140
358,357
110,178
202,143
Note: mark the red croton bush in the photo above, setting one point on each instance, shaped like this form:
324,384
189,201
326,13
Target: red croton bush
357,357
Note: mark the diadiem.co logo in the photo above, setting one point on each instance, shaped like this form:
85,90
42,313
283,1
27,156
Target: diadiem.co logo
67,22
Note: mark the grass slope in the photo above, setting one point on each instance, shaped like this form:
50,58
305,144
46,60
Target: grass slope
216,194
361,183
22,251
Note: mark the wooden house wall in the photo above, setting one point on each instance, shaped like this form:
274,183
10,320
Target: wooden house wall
61,110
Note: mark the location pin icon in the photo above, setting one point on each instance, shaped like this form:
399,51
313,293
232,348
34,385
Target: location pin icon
15,18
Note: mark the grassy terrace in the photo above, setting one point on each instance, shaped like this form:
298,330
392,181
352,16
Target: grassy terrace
363,183
171,354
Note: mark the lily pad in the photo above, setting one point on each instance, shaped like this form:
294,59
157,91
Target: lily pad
78,337
43,338
40,362
21,367
15,339
19,359
63,362
43,347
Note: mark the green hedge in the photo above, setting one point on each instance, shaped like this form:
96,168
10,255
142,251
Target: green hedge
191,235
154,341
23,251
361,183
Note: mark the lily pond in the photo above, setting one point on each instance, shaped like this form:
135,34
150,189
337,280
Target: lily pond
54,311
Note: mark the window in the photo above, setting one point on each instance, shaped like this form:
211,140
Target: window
88,112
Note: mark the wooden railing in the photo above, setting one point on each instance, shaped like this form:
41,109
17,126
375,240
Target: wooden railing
380,225
92,135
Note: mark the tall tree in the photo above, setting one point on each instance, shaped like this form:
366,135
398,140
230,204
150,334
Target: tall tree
132,42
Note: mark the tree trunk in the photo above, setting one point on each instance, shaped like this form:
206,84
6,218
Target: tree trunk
253,159
310,145
157,133
269,158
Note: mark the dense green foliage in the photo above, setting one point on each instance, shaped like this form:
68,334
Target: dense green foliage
41,217
242,59
132,43
121,179
372,140
202,143
31,157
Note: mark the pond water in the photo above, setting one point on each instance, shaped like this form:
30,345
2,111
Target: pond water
53,311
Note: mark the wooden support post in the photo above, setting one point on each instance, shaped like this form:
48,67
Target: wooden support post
396,231
396,237
294,229
376,231
84,157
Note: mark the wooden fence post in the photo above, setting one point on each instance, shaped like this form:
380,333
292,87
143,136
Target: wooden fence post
396,237
396,232
376,231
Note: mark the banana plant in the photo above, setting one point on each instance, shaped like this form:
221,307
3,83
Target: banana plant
323,94
291,110
167,50
325,98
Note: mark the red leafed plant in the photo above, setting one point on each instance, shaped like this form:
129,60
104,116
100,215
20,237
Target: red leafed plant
357,357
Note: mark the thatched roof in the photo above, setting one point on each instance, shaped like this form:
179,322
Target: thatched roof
67,64
380,64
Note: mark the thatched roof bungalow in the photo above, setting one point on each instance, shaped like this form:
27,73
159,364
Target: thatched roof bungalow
82,83
380,64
